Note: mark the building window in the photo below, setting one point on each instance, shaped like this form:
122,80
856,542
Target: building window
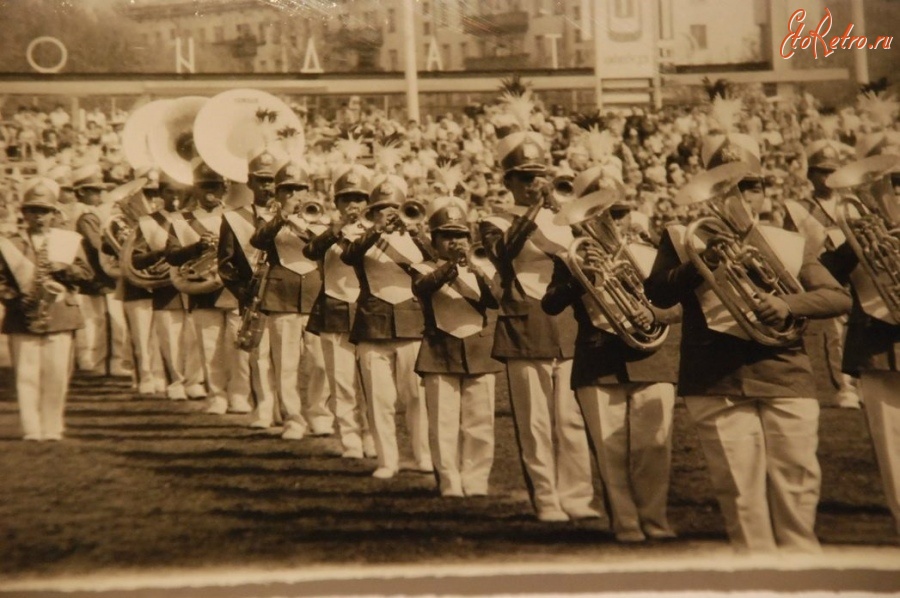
218,34
426,28
392,20
262,32
277,65
559,7
698,32
576,13
426,9
463,50
445,54
538,7
579,58
393,60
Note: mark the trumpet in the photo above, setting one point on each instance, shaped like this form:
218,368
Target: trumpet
410,215
310,210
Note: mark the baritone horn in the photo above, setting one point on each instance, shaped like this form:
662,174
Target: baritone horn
745,267
606,268
869,216
199,275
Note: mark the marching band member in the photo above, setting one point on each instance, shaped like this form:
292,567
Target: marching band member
814,218
752,401
626,394
39,268
293,284
873,333
152,237
215,311
91,346
387,328
333,312
237,260
455,356
536,347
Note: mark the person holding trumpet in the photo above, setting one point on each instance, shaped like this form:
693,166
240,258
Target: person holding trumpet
622,374
387,328
40,267
455,360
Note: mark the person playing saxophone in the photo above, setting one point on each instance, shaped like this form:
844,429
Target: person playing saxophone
40,268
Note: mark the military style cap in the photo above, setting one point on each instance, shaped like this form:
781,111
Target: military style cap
292,173
826,154
355,180
448,214
41,192
390,190
88,176
522,152
264,163
733,147
204,174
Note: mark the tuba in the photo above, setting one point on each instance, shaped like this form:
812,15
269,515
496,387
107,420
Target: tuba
613,283
869,217
153,277
748,268
120,226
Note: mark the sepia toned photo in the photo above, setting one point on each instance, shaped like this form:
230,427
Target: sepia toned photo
449,297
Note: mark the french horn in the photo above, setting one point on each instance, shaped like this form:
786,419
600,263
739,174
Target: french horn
746,266
869,216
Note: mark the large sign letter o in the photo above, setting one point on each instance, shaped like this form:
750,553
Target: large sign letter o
64,54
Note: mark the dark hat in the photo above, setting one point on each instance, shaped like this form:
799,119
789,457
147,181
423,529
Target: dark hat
390,190
448,214
522,152
204,174
41,192
264,164
355,180
292,173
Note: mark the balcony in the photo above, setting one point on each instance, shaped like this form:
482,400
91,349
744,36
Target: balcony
509,62
504,23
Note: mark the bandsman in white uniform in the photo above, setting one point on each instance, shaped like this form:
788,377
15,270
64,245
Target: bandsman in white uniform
40,267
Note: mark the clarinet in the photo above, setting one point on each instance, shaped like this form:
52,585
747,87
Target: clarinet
253,320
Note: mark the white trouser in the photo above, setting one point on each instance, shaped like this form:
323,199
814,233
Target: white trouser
350,411
193,354
179,348
314,382
120,348
881,400
285,332
91,345
630,426
461,430
262,380
553,443
41,365
149,370
761,454
226,368
386,372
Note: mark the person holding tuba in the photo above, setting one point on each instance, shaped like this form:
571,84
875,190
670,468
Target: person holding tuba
332,314
214,309
623,378
744,374
293,285
455,360
814,217
148,261
40,267
872,346
537,347
387,328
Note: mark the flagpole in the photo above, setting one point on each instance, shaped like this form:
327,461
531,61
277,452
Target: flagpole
412,75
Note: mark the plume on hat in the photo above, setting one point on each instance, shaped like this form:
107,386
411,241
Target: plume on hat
880,108
830,125
351,148
514,85
450,176
725,111
515,108
720,88
388,156
876,87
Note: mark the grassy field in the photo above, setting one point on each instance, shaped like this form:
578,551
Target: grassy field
141,484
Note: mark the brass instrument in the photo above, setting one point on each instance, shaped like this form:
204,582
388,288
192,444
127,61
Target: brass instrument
870,222
310,210
154,277
199,275
745,267
114,235
253,320
604,266
410,215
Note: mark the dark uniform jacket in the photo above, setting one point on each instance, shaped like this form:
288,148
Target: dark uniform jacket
871,344
166,297
287,291
88,226
602,357
178,255
524,329
328,313
376,319
235,269
718,364
443,353
63,315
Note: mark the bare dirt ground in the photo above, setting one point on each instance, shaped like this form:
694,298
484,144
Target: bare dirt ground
146,485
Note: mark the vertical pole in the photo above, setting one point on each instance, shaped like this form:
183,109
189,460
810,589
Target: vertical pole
654,25
412,76
860,57
598,53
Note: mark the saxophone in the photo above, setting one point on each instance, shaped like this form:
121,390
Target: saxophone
253,320
44,291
